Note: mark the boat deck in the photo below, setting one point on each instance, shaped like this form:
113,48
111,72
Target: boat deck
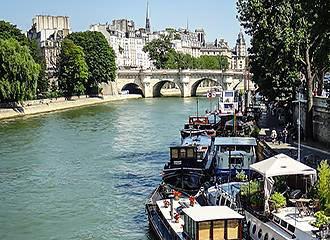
290,215
166,212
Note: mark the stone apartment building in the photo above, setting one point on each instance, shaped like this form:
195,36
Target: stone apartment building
49,31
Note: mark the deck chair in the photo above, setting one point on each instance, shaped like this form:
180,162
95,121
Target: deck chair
302,209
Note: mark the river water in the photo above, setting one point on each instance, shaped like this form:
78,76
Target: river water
86,173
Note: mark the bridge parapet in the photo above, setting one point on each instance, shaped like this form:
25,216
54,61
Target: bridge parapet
151,81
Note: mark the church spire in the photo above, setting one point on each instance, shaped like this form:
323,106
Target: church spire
148,26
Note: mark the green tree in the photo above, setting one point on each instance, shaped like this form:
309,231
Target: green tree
158,50
72,69
99,56
178,60
289,38
8,30
18,72
324,186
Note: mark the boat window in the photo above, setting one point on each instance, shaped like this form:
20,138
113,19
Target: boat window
228,106
266,236
260,233
204,230
219,230
284,224
235,160
174,153
190,153
272,239
193,230
182,153
232,229
227,148
291,228
254,229
243,148
277,220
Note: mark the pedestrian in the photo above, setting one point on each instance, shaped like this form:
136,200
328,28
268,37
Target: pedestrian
273,136
285,134
280,137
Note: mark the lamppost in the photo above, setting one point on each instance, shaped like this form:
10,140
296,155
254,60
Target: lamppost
299,119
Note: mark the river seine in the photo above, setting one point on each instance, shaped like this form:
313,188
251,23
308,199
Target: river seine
86,173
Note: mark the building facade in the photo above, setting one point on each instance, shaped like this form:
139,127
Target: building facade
49,32
127,43
239,55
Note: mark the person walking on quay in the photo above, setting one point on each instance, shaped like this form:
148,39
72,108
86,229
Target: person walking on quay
285,135
280,137
273,136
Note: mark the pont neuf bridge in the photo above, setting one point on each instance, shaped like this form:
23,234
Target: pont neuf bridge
150,82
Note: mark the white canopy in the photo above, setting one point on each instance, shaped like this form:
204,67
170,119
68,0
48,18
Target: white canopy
280,165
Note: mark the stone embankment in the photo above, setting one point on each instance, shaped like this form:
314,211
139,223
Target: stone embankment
52,105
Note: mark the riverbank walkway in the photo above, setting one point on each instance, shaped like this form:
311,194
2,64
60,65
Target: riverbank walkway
51,105
314,152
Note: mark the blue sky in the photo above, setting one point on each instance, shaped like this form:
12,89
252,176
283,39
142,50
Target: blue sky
217,17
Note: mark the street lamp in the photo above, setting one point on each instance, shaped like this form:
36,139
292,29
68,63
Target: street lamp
299,118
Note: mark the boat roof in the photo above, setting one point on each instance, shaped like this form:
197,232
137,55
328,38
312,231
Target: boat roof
225,141
208,213
281,165
197,140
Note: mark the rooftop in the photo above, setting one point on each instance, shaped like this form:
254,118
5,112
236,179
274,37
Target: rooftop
208,213
225,141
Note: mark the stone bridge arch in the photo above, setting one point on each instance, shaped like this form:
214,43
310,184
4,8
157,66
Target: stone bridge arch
129,83
157,86
132,88
197,82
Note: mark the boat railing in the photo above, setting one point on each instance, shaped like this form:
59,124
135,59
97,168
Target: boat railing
226,199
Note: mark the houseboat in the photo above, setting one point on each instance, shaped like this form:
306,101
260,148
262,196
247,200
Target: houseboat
293,220
234,154
182,218
189,164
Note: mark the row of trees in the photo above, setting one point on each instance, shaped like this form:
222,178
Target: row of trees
290,39
164,56
22,70
85,61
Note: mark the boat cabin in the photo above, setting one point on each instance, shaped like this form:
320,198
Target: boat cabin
212,222
234,153
185,157
228,102
198,120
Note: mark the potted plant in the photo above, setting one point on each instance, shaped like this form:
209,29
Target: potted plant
320,219
241,176
277,201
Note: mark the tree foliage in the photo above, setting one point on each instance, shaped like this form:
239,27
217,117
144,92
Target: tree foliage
18,72
289,38
178,60
324,186
99,56
8,30
165,57
158,50
72,69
